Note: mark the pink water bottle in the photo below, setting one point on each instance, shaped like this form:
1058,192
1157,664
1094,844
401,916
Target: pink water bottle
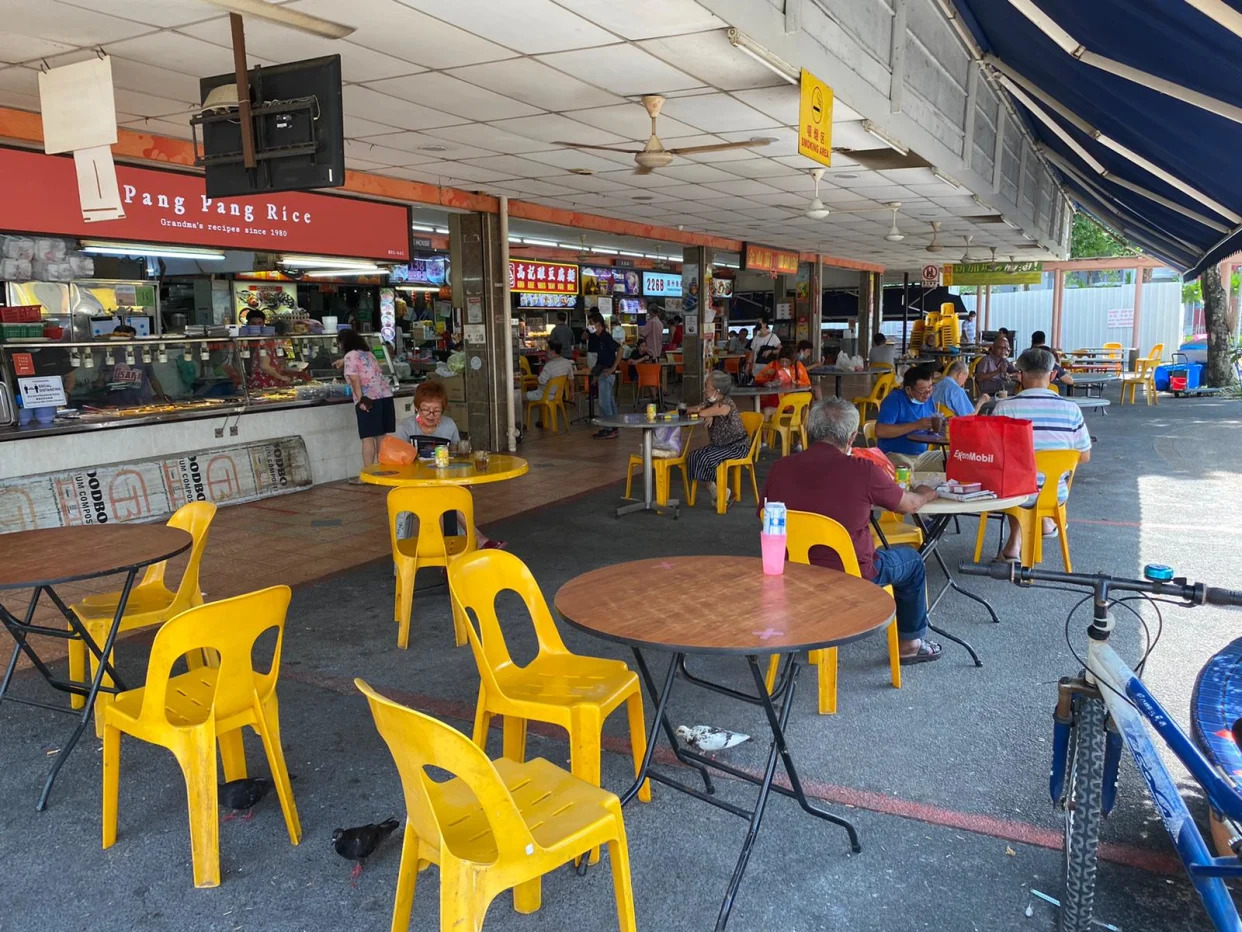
772,539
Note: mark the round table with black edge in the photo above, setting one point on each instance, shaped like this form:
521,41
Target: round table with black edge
1088,382
838,373
640,422
750,615
43,559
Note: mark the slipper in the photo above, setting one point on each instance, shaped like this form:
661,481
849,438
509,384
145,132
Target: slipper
353,480
1052,533
1001,558
927,652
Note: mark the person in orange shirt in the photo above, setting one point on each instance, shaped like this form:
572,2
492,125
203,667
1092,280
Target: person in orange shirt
787,371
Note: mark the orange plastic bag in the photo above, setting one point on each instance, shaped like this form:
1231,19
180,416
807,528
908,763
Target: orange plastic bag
875,454
395,452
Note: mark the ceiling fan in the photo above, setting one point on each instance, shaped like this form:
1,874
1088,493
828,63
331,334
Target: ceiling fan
966,254
816,210
653,155
894,235
934,245
283,16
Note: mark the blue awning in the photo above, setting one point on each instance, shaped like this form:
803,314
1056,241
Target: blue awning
1166,38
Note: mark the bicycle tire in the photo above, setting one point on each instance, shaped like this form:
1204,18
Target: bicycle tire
1083,815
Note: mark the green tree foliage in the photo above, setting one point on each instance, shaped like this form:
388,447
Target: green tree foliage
1089,240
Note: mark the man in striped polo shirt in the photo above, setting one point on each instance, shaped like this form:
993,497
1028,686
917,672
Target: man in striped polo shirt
1058,425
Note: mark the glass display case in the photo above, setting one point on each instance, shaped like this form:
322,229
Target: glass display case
112,382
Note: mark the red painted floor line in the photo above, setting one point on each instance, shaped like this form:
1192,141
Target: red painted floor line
976,823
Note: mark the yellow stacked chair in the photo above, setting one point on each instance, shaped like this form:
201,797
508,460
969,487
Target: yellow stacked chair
193,712
495,825
803,531
429,547
1053,464
789,420
663,466
551,404
731,470
884,383
150,602
574,692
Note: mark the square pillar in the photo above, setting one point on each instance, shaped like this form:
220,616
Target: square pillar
696,304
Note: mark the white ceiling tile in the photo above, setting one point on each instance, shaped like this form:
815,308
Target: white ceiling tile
468,100
162,13
21,79
18,48
517,166
784,199
645,19
372,105
552,127
768,213
631,121
741,186
681,171
911,176
536,187
394,29
177,130
358,128
146,105
362,165
752,167
488,137
530,26
780,102
801,162
596,161
415,144
621,69
446,173
136,76
657,179
19,100
382,154
709,57
718,113
175,52
69,25
269,40
689,192
591,183
536,84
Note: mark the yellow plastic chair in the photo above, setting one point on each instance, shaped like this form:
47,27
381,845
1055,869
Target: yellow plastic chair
555,392
429,547
868,432
190,713
150,602
495,826
897,531
529,380
1053,464
883,385
945,411
1144,376
1114,354
789,419
804,531
663,466
574,692
731,470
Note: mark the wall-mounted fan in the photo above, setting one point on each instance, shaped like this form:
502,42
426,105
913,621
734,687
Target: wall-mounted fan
653,155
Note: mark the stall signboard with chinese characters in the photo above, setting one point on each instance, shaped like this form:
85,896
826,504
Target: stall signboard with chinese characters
994,273
542,277
661,285
815,119
151,489
756,258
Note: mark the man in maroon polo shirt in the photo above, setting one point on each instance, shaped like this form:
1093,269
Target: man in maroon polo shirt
826,480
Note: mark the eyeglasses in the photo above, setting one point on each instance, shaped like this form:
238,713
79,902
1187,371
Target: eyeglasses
430,412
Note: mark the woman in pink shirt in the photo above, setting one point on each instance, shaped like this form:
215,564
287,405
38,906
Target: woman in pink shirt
372,394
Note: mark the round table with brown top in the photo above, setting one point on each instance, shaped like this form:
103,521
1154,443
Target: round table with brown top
750,615
43,559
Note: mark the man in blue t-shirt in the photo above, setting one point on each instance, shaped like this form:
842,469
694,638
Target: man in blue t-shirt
904,411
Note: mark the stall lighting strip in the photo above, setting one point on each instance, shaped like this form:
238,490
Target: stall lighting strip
106,248
327,262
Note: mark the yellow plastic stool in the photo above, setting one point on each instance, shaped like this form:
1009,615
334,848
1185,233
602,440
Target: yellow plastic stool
803,531
429,547
151,602
188,713
495,826
574,692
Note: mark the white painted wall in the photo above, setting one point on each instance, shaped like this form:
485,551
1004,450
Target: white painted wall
329,431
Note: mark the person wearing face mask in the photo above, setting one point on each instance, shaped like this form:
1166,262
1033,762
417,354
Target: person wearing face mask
785,371
763,339
906,410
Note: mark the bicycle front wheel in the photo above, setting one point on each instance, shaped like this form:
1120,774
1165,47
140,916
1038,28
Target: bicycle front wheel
1083,814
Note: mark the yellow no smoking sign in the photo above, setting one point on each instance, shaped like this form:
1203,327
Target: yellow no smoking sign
815,119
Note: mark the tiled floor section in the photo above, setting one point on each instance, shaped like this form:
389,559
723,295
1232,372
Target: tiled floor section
307,535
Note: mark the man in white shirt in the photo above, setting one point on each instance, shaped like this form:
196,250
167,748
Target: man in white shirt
968,328
882,352
554,367
653,332
763,339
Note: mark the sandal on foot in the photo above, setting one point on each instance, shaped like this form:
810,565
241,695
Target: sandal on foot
927,652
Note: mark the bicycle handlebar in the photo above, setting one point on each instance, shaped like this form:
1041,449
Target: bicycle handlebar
1179,588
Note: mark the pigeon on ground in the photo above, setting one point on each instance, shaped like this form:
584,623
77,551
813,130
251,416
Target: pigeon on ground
709,737
358,844
243,795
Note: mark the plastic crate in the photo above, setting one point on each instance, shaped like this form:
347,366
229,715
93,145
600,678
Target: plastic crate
24,314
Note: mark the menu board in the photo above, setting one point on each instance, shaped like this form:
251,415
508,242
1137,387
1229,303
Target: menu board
768,259
661,285
526,299
542,277
603,280
432,271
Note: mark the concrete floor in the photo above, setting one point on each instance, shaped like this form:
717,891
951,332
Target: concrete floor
945,780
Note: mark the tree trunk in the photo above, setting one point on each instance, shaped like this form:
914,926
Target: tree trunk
1219,336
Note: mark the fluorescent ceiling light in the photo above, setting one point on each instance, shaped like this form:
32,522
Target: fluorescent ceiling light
443,231
601,249
326,262
422,227
888,140
108,248
778,66
636,255
540,242
937,173
347,273
417,288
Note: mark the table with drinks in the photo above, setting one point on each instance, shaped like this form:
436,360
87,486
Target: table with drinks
647,422
479,467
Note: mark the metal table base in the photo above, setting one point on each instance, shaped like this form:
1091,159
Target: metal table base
672,506
776,719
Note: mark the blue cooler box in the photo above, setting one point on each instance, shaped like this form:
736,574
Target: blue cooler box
1192,370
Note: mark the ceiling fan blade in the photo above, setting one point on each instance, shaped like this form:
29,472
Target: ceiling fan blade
719,147
261,9
586,145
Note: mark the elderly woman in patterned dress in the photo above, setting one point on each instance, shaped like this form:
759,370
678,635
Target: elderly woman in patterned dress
726,434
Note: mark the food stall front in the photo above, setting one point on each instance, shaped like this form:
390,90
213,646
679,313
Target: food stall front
141,424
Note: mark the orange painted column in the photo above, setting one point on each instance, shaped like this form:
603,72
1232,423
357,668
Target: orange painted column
1138,310
987,312
1058,304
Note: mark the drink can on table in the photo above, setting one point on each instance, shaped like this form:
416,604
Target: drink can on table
651,412
442,456
903,476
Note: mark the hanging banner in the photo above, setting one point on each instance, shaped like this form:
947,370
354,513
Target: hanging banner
152,489
815,119
756,258
542,277
994,273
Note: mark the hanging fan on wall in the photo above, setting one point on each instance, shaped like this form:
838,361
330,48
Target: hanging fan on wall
653,155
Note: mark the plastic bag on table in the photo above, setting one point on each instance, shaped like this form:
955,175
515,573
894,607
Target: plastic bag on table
396,452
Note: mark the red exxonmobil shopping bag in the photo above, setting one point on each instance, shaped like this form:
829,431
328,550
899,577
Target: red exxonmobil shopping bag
997,452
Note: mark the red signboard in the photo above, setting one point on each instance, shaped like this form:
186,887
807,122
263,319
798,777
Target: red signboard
542,277
766,259
39,194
